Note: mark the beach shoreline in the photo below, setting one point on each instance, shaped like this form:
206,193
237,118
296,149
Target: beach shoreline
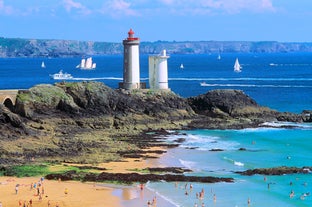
15,191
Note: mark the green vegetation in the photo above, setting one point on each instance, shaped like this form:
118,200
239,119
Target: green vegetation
42,170
25,170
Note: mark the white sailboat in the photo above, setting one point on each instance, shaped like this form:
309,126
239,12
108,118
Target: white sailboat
42,64
86,64
237,66
219,57
181,66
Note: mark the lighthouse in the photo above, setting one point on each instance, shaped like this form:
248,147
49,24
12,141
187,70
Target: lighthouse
131,70
158,71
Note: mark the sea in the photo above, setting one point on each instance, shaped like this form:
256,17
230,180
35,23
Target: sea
280,81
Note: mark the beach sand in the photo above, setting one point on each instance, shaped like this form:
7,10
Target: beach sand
78,193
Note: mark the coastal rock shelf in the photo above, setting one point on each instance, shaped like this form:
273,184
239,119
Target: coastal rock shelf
88,122
135,177
277,171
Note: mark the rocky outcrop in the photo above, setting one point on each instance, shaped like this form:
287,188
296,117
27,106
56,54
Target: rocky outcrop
234,109
277,171
82,121
134,177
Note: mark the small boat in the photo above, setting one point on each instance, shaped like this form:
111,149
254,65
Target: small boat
219,57
43,65
237,66
61,76
203,84
86,64
181,66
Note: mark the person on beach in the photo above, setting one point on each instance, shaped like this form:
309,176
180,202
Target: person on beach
16,189
0,204
154,201
40,197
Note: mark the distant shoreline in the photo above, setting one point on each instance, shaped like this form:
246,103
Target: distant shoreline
18,47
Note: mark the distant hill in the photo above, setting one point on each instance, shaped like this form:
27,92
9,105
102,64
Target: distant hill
16,47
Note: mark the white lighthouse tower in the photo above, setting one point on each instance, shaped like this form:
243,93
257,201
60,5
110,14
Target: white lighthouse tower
131,73
158,71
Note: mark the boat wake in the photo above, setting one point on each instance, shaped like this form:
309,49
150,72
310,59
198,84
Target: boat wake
255,85
100,78
237,163
240,79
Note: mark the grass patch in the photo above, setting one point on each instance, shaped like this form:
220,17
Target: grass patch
26,170
42,170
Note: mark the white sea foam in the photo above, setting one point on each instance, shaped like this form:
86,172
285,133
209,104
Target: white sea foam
204,143
99,78
257,85
237,163
279,124
240,79
188,164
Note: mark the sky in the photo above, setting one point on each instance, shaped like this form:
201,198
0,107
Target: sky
158,20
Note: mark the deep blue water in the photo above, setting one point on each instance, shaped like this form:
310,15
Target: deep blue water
279,81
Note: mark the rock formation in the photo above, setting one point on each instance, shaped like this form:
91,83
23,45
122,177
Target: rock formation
83,121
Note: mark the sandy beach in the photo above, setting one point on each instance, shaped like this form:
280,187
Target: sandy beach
54,193
40,192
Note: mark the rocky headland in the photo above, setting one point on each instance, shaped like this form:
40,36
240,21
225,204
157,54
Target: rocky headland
18,47
89,123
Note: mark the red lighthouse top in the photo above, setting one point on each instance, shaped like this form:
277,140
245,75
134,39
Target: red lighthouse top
130,35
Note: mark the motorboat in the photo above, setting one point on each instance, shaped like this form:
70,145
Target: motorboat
61,76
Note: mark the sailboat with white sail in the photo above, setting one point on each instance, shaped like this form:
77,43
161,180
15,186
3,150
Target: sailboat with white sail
86,64
43,65
237,66
219,57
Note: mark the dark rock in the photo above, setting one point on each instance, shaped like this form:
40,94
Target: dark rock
169,169
134,177
216,150
276,171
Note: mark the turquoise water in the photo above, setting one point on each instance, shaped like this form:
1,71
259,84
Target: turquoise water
265,147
